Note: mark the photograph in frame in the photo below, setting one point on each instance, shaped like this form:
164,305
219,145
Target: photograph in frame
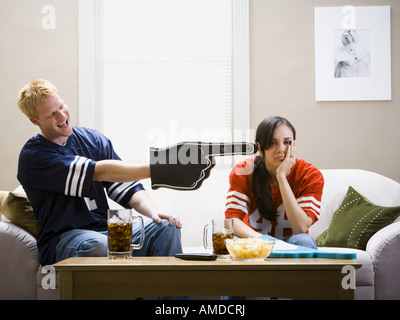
352,53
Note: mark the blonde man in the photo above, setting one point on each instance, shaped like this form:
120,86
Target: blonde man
64,171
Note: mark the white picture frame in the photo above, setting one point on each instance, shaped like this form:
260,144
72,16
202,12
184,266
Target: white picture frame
352,53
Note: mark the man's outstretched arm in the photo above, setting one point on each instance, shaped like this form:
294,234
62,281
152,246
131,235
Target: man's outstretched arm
120,171
183,166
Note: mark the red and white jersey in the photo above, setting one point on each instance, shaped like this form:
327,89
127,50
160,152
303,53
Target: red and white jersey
305,180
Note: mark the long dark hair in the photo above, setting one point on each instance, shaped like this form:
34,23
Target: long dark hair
260,176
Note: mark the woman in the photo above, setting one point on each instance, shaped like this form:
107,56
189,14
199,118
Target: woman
275,193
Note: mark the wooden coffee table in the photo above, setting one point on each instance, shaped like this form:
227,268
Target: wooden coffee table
102,278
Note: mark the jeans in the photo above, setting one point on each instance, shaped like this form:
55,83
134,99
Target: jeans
159,240
299,239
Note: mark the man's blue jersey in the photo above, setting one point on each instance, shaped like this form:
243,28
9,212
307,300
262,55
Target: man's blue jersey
58,181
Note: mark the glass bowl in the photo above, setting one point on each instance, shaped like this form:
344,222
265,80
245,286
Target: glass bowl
254,249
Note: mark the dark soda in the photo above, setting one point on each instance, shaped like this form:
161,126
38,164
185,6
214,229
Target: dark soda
219,242
119,237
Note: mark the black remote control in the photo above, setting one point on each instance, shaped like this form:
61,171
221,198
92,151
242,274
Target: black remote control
196,256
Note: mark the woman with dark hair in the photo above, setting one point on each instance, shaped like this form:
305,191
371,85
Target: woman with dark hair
275,193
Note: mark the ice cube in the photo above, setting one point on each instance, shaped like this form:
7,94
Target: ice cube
115,219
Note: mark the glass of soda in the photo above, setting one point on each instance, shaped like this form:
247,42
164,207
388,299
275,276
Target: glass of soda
120,223
221,229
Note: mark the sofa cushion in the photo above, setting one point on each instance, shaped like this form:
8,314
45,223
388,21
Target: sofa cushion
15,207
18,264
355,221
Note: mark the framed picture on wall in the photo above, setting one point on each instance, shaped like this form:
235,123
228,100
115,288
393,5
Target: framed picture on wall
352,53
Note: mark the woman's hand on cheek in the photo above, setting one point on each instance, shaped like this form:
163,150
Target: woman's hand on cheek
285,167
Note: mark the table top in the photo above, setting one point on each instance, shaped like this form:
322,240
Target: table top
172,263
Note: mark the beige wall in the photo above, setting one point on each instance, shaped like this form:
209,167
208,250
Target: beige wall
330,134
358,134
27,52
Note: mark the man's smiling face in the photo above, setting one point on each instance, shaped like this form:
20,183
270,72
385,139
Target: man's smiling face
53,119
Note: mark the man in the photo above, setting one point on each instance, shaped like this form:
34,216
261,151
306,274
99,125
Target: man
64,171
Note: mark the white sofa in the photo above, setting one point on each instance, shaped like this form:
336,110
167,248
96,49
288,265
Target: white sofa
378,278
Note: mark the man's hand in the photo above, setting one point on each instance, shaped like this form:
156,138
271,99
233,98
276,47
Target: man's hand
186,165
158,216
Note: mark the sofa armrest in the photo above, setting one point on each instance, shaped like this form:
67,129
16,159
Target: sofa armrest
384,249
18,263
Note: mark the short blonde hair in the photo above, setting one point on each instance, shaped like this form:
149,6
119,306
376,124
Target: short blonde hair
33,93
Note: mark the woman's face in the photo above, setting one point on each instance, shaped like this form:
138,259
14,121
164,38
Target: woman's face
352,48
282,138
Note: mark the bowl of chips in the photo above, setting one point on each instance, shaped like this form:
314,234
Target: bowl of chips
254,249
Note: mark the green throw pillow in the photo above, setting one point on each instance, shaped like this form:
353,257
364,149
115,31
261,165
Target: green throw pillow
16,207
355,221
